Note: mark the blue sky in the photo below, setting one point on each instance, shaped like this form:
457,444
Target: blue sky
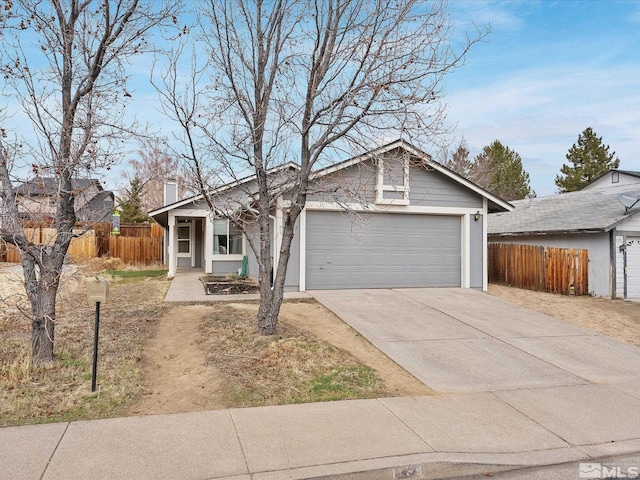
547,71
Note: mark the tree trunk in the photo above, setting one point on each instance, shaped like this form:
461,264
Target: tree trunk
268,313
271,299
43,325
267,321
42,279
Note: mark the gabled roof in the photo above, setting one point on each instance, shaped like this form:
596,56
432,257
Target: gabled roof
99,207
587,211
49,186
221,189
495,202
630,173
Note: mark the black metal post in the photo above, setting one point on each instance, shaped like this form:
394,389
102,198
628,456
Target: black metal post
95,349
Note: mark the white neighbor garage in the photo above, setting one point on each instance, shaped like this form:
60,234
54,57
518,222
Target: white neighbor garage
389,218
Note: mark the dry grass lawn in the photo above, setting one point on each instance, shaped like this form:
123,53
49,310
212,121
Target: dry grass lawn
62,391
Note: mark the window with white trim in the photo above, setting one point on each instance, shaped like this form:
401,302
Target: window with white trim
392,181
184,239
227,238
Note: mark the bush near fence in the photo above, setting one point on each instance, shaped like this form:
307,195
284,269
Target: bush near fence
138,243
555,270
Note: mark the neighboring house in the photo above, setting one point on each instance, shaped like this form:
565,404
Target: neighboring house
392,217
37,200
615,178
593,219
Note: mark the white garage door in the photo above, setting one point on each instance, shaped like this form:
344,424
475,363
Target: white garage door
382,251
633,267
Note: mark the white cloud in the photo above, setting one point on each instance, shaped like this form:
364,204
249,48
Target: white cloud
500,14
540,113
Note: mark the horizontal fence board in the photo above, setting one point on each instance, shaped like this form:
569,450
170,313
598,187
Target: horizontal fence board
555,270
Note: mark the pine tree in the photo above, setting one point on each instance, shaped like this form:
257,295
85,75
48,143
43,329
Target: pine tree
132,205
499,170
590,159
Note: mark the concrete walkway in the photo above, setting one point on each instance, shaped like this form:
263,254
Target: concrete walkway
519,389
187,287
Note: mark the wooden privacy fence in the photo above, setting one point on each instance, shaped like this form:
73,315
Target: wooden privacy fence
136,249
142,243
555,270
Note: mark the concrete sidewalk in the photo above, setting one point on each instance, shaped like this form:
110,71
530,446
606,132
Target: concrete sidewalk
440,437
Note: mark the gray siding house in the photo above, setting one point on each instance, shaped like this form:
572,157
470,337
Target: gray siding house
593,219
36,199
392,217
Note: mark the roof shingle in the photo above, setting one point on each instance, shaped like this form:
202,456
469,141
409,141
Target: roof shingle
581,211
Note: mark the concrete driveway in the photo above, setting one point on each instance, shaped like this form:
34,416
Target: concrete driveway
461,340
497,362
583,387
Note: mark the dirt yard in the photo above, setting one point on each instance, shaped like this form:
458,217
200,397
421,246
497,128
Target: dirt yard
615,318
178,378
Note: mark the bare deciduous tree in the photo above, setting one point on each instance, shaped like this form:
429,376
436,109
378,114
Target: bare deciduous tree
304,82
65,63
152,168
459,161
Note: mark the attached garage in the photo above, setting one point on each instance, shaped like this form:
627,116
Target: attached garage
381,250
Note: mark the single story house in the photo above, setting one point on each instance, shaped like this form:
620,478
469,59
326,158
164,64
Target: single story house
37,199
601,218
392,217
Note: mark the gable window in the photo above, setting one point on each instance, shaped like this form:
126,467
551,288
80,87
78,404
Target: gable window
392,181
227,238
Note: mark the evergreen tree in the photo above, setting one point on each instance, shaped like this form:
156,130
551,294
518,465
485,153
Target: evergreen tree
499,170
132,205
590,158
